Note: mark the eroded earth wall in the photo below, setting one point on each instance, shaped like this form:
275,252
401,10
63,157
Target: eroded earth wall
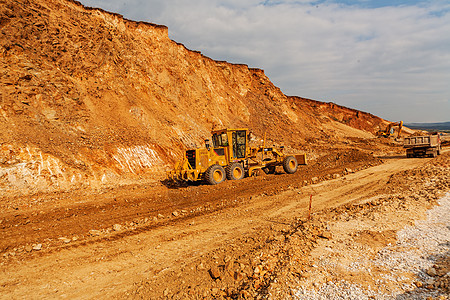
88,98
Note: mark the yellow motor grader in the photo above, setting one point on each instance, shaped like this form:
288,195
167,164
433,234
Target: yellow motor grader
230,157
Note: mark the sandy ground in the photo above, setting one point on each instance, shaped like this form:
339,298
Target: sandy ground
95,108
235,244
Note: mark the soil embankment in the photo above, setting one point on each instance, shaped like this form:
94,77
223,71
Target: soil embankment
92,100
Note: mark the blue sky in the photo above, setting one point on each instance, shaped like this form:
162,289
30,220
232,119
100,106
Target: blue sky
389,58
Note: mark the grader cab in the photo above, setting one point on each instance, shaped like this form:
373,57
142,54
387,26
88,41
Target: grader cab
230,157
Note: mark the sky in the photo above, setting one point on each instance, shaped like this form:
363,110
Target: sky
388,58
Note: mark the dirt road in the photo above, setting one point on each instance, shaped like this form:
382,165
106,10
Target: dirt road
164,241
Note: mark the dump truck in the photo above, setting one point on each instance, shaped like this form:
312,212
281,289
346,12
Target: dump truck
425,145
230,157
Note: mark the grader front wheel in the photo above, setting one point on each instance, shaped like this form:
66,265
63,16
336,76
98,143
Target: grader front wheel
290,165
215,174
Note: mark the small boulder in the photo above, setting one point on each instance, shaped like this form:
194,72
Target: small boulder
214,272
326,235
201,266
117,227
65,240
432,272
238,276
94,232
229,265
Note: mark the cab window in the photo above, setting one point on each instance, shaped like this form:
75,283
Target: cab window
239,143
220,140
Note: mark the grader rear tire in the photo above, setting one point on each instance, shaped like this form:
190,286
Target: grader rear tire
215,174
290,164
235,171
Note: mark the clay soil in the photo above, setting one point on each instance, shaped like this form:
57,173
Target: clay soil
95,108
234,240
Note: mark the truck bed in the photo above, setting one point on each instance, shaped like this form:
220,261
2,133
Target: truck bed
421,141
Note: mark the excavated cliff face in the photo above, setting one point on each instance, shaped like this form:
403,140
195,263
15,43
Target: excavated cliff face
88,98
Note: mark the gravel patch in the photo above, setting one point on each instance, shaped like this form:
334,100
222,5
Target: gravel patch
402,267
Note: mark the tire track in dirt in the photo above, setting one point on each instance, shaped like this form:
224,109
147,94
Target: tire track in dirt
75,214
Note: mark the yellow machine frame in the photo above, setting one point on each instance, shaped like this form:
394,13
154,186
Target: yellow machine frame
230,149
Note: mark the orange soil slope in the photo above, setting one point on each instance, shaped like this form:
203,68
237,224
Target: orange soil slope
88,98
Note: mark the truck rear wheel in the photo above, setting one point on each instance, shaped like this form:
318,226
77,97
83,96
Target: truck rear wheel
235,171
290,164
215,174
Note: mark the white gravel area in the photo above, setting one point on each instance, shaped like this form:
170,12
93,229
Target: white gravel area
417,249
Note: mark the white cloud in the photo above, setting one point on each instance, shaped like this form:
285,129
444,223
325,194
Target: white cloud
385,60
